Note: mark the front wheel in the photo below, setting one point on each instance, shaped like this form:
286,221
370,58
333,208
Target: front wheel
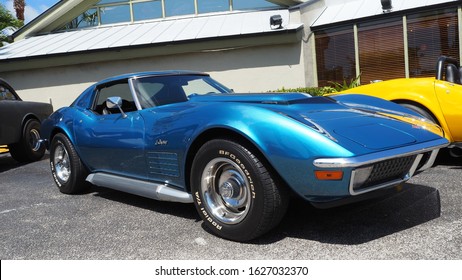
234,192
68,171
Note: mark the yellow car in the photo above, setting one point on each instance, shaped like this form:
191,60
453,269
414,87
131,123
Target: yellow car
3,149
439,98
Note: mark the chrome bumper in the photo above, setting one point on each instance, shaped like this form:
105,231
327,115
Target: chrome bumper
365,177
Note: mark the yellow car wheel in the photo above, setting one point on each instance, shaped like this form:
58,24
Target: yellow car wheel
421,111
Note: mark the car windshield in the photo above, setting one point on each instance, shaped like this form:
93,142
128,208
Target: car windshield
161,90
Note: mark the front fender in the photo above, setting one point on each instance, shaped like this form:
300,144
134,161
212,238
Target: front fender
59,121
288,145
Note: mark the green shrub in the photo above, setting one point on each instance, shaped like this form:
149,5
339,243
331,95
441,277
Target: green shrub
320,91
314,91
345,85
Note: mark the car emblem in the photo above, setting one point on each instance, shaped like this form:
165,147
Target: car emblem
161,142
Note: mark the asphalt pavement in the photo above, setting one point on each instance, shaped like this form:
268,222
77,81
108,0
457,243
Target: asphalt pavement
421,221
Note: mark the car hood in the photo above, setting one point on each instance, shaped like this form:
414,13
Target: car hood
371,127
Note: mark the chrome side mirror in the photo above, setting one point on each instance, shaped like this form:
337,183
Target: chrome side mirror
115,102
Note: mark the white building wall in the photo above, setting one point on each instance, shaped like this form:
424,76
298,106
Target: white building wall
252,69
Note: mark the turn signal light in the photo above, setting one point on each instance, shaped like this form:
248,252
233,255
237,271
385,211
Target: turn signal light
329,175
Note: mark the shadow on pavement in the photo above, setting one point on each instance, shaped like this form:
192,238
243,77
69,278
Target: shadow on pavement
184,210
7,162
444,158
348,225
360,222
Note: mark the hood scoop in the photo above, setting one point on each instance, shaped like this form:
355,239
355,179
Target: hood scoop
376,136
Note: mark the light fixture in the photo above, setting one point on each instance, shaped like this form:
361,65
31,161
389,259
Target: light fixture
276,22
386,6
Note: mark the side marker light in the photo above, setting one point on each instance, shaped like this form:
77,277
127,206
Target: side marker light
330,175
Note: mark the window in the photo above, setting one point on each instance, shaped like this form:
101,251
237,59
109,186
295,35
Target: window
200,86
5,94
147,10
179,7
209,6
115,11
335,56
157,91
254,4
431,35
121,90
114,14
87,19
111,1
381,50
163,90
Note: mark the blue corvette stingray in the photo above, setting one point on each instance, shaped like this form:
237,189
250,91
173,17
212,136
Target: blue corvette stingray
181,136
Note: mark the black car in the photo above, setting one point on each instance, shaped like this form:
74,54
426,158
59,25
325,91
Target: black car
20,124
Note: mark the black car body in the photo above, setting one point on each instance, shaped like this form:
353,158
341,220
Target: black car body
20,124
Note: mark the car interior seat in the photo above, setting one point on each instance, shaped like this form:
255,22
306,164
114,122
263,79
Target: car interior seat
460,75
453,74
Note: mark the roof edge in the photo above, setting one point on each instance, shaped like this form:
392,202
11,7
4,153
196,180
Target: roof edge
282,36
39,22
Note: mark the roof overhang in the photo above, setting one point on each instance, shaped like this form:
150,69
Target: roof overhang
181,35
338,12
63,10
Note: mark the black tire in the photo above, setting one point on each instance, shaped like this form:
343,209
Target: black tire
421,111
28,148
234,193
68,171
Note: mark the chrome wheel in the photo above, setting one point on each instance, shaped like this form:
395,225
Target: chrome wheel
34,140
62,163
226,191
68,171
234,193
28,148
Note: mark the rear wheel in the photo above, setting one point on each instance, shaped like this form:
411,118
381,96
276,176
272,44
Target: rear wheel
28,148
68,171
234,192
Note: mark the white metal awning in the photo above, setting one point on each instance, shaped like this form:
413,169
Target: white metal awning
163,32
338,11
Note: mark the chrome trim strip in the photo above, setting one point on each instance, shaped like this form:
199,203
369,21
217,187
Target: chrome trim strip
413,167
373,188
138,187
135,96
380,156
430,160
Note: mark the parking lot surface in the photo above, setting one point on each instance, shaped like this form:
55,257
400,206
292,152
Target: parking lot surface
422,221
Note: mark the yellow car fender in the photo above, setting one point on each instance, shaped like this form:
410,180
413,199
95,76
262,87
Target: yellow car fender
419,92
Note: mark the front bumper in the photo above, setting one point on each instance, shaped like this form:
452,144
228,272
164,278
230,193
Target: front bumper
383,169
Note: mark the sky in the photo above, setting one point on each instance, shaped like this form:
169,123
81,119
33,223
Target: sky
33,7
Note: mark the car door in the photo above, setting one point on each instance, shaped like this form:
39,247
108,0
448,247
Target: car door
450,99
110,141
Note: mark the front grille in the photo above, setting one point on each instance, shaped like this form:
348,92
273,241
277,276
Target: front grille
387,171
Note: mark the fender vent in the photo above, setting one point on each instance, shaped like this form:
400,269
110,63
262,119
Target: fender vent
162,163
